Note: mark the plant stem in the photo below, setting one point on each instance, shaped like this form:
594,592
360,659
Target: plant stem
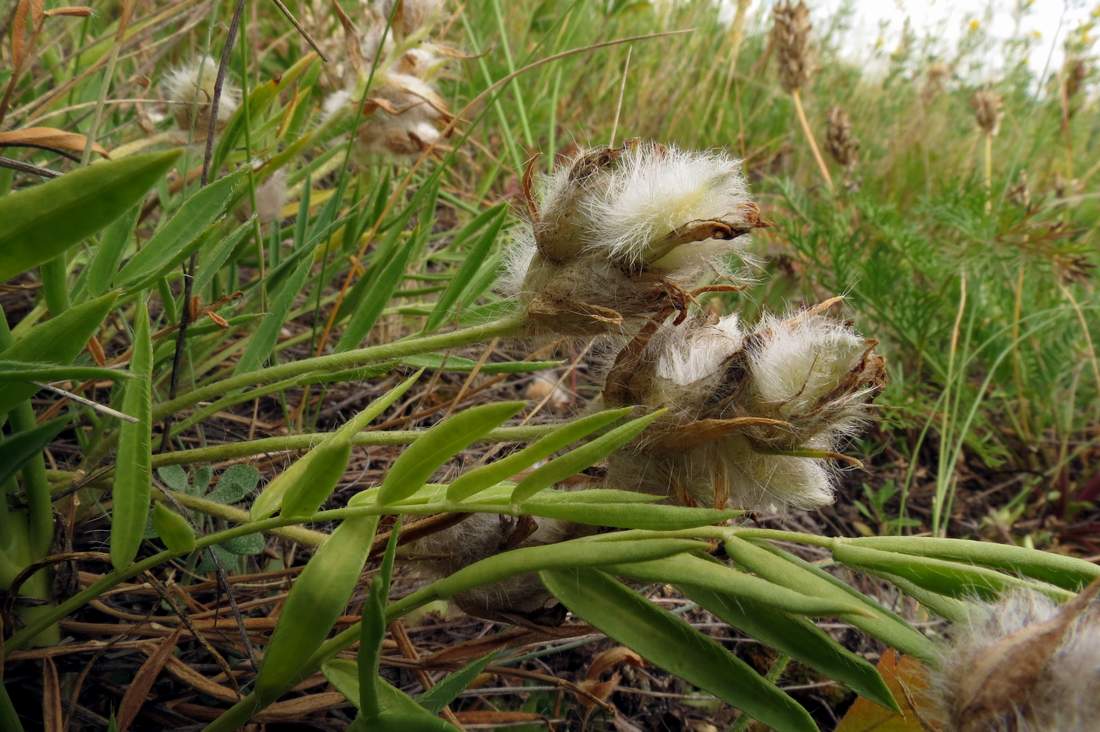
345,360
988,172
797,98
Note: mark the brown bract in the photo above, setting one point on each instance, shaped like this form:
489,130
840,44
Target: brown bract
791,39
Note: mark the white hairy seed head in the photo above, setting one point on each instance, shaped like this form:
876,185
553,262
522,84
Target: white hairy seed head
191,88
813,372
1022,664
271,197
625,233
690,354
411,15
655,193
333,103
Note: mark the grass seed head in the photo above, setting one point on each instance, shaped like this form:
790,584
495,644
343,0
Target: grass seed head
791,40
988,110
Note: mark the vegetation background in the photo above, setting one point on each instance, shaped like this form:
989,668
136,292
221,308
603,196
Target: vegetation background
971,257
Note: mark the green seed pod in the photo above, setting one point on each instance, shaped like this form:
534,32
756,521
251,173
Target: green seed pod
174,530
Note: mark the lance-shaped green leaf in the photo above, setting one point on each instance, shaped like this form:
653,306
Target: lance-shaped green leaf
946,607
133,469
699,572
26,371
478,479
628,516
174,530
1070,573
374,301
469,268
215,255
461,365
317,598
942,576
373,630
582,457
262,342
787,570
565,554
17,449
797,637
438,445
302,487
174,239
108,254
399,711
450,686
669,642
40,222
59,340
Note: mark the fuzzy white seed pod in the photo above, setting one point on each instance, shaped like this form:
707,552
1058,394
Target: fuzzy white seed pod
1022,664
721,443
271,197
190,88
334,103
812,372
411,15
622,234
641,216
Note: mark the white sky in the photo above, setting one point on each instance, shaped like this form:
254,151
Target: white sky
879,23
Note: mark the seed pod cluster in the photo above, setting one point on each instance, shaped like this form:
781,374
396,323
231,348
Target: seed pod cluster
791,40
619,234
1022,664
752,414
403,112
988,110
190,90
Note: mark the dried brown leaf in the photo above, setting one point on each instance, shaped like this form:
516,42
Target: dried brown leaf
52,717
143,680
48,138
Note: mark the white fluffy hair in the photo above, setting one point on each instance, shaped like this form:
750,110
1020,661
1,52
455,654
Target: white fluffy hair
1065,695
655,190
801,359
688,355
518,252
335,102
193,83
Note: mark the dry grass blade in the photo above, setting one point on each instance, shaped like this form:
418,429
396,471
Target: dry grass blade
143,681
53,719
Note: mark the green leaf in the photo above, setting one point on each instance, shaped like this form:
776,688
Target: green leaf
309,481
469,268
450,686
370,309
174,530
175,477
317,598
942,576
41,222
234,484
59,340
174,239
25,371
108,254
797,637
582,457
563,555
245,546
1070,573
214,256
438,445
699,572
399,712
373,630
667,641
262,342
787,570
17,449
133,471
478,479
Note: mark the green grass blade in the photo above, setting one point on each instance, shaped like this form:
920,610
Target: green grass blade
474,257
133,472
17,449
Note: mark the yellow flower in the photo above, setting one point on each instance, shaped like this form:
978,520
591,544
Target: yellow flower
974,25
